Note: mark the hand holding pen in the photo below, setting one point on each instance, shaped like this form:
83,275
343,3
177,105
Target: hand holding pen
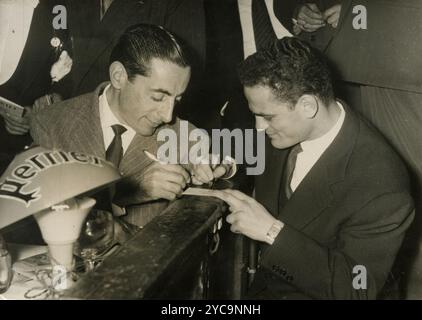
163,181
203,171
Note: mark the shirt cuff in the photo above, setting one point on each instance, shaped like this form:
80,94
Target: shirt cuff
118,211
231,167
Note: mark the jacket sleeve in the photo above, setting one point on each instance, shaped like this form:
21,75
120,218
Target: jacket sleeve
371,238
39,132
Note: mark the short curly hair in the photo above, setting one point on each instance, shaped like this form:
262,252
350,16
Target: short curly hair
291,68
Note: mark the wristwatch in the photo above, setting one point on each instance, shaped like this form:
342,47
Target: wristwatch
273,232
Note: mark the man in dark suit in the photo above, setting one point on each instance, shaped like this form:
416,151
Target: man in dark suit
333,204
31,78
149,72
380,73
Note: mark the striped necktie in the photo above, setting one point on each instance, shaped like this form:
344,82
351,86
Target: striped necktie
262,27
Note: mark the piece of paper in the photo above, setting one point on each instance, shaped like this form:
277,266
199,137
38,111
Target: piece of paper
199,192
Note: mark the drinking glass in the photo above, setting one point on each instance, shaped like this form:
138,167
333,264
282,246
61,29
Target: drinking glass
6,272
97,237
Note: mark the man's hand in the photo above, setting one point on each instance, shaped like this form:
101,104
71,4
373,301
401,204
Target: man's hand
248,216
332,15
18,125
164,181
45,101
309,19
210,170
205,173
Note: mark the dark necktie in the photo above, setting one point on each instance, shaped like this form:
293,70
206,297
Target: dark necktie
290,168
262,27
114,151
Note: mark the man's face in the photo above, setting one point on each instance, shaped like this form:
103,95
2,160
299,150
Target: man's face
148,101
283,125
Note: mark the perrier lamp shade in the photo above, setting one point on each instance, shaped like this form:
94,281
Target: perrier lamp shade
39,178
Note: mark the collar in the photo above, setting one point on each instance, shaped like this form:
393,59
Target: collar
322,143
107,117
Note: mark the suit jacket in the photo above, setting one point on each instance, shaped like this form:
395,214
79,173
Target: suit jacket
386,54
225,52
93,40
74,125
352,208
31,78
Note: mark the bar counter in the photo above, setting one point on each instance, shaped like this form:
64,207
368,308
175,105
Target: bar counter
188,252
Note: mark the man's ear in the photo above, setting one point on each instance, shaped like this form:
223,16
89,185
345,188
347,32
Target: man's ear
118,75
308,105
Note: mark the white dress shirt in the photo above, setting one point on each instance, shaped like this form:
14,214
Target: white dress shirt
108,119
245,11
15,21
313,149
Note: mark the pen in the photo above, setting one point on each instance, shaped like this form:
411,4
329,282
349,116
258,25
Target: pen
153,157
49,102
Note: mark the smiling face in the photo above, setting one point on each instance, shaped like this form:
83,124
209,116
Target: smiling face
285,126
146,102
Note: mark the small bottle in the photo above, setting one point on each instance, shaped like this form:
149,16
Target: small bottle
6,272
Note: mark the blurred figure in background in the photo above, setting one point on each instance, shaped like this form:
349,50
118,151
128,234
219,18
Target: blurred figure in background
27,54
235,30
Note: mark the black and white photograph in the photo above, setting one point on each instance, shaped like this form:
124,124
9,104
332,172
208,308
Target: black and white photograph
228,152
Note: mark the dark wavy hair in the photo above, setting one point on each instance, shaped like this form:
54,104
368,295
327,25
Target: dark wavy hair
141,43
291,68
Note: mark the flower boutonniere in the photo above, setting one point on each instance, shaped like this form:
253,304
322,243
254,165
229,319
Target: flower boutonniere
62,67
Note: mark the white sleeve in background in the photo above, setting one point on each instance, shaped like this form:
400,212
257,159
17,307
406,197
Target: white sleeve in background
15,21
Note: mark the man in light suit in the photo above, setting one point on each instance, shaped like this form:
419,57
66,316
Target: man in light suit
333,204
96,26
149,72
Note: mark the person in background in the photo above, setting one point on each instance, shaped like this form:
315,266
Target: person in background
309,17
235,30
27,56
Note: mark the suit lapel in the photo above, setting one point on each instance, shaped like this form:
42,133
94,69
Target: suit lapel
134,159
267,186
346,7
314,193
88,135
